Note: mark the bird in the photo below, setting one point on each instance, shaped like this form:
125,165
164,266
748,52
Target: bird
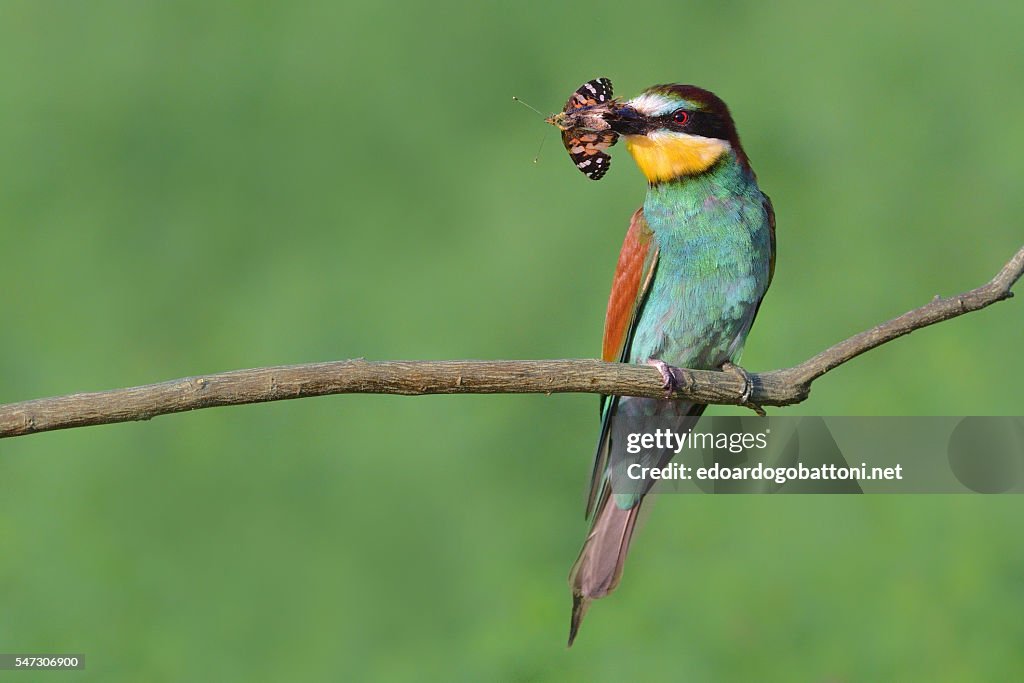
695,265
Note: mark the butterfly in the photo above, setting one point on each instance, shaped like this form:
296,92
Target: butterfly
585,133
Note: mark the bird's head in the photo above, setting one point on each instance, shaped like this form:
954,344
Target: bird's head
675,131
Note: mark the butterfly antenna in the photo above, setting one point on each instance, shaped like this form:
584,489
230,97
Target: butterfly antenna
542,141
536,157
530,107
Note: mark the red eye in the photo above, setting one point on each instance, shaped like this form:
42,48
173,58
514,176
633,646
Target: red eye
681,117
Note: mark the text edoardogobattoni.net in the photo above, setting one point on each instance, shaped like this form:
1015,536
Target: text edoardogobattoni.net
737,442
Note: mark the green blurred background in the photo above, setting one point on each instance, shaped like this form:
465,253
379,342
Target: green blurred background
192,187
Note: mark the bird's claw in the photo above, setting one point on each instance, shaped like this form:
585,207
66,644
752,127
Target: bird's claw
671,376
748,387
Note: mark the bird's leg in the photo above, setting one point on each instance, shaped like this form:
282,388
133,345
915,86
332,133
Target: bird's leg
748,386
671,376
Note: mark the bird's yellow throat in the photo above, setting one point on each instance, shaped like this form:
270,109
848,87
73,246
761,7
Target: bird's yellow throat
665,155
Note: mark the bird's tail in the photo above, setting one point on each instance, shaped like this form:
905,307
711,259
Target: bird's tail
599,567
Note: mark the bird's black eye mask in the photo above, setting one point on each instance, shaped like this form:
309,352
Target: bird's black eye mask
628,121
693,122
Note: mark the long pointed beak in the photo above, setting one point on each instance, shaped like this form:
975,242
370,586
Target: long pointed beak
626,120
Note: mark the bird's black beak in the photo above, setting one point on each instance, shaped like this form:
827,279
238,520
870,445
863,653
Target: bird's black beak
627,121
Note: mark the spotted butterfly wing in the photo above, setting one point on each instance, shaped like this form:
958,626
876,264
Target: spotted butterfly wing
586,149
586,146
591,93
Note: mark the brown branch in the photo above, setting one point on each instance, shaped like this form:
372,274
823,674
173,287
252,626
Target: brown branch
411,378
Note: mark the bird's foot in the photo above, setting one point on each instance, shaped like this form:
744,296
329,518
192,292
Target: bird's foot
671,376
748,386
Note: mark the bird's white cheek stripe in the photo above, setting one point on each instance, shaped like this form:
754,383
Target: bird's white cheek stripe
652,104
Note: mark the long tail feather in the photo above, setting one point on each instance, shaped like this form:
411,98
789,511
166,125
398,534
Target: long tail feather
599,567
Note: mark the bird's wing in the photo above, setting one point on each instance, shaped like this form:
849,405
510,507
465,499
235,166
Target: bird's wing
633,275
770,211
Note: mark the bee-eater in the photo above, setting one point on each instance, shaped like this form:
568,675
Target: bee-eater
696,262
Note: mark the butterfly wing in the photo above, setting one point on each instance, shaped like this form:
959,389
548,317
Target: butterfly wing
587,150
597,91
586,146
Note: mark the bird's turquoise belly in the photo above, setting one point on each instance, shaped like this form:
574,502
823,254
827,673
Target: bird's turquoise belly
714,255
699,316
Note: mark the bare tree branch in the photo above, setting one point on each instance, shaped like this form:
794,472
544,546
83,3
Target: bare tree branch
412,378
